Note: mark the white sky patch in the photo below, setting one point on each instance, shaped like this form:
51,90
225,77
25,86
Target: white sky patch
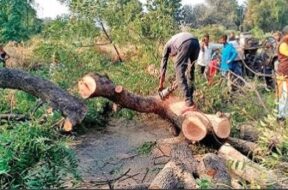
52,8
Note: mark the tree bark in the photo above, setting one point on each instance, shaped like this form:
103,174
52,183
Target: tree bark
178,173
194,125
165,145
71,107
213,167
245,168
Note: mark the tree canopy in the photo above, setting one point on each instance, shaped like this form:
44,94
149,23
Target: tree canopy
18,20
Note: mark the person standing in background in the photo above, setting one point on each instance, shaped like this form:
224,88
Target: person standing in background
229,53
204,55
282,77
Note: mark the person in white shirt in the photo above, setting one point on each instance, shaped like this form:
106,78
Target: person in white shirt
204,54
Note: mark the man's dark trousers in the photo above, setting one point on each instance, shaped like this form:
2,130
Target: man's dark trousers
185,66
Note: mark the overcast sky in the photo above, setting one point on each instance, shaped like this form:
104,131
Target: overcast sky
52,8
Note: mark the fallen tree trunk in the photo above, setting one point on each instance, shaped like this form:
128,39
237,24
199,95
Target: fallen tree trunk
194,125
71,107
246,169
177,173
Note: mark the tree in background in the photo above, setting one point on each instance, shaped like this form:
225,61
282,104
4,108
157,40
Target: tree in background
266,15
221,12
18,20
194,16
161,20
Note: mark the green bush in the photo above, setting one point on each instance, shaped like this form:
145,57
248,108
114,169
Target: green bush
33,157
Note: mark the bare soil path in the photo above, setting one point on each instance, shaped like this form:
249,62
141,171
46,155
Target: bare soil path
111,153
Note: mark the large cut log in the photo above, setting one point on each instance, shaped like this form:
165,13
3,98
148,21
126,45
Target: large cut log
245,147
246,169
177,173
213,167
71,107
249,133
194,125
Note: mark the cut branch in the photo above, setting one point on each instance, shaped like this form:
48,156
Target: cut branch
245,147
245,168
71,107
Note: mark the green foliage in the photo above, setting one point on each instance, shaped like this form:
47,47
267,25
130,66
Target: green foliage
203,183
266,15
126,113
146,148
71,30
221,12
33,157
17,20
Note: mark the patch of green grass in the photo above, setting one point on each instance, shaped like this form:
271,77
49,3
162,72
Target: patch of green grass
203,183
146,148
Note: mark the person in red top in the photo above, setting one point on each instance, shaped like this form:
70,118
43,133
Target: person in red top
213,66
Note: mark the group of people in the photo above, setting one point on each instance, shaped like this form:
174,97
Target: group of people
188,51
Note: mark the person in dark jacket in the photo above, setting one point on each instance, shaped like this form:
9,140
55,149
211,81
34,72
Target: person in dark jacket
185,48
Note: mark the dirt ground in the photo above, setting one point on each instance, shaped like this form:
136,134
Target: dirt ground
109,154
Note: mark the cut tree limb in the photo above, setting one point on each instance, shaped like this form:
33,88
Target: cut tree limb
71,107
245,147
194,125
245,168
178,173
